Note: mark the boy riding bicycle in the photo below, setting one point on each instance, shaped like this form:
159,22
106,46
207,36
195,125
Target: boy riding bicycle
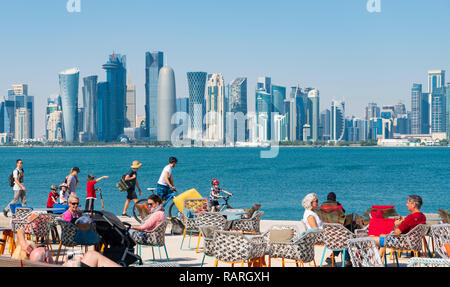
215,195
165,184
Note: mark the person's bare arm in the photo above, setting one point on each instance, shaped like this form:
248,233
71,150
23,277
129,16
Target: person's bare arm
103,177
229,193
21,240
312,221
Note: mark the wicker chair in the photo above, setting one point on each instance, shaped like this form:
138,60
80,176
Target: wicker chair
251,225
39,227
209,219
428,262
190,224
154,238
207,233
20,218
364,253
336,238
300,250
411,241
235,247
68,231
440,234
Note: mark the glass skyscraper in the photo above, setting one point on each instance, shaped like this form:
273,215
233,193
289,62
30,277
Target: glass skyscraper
278,97
215,108
68,86
154,61
436,79
313,96
116,76
238,95
102,111
90,107
438,110
196,85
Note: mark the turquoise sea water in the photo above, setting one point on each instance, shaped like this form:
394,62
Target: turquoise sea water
359,176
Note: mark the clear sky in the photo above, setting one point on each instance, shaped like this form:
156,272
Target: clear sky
335,46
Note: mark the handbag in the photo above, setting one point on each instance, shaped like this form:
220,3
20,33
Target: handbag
123,185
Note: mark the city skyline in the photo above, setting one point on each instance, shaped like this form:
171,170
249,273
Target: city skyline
339,48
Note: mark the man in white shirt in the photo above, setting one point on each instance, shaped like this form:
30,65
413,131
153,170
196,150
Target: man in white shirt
165,182
18,188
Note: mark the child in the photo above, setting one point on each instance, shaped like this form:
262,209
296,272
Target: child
215,195
52,197
91,197
64,193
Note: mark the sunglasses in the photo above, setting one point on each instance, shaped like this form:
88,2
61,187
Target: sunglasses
75,203
150,204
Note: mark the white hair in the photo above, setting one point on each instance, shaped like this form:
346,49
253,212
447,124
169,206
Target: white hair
308,200
73,196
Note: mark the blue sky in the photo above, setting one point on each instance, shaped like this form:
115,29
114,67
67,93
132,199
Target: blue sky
335,46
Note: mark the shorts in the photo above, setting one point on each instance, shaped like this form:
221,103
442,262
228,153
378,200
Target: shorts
163,191
213,202
131,194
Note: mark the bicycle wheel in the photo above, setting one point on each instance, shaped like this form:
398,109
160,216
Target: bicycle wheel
136,214
173,210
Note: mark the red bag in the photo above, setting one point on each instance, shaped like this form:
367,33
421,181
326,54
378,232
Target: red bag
378,226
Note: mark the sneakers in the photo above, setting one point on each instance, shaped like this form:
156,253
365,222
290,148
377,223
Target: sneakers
126,215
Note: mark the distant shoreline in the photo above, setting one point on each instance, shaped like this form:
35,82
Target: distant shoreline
261,147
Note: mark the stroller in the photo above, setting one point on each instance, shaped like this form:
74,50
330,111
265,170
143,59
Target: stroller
119,246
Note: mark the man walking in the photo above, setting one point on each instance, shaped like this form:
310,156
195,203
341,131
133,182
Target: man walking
131,177
18,187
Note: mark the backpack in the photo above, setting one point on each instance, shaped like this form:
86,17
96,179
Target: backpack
11,178
177,226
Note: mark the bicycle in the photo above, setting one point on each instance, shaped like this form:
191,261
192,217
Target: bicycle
172,211
225,205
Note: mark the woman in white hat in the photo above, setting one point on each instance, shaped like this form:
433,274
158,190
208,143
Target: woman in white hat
131,176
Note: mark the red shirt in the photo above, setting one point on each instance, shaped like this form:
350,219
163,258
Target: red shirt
412,221
91,189
52,196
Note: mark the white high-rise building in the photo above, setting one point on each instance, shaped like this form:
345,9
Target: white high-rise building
313,95
22,124
166,103
215,108
131,105
337,121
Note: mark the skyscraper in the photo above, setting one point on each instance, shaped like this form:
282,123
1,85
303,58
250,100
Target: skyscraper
196,85
116,76
436,79
68,86
278,97
290,109
215,108
103,100
154,61
264,83
131,105
16,98
22,131
238,95
416,109
325,123
90,104
54,121
337,121
313,95
166,103
438,110
263,112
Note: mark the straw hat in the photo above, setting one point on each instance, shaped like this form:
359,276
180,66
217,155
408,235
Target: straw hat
136,164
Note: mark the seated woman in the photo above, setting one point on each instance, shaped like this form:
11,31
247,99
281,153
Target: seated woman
26,250
73,213
310,218
156,217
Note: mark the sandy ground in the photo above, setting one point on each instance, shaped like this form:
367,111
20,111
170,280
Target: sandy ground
189,258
